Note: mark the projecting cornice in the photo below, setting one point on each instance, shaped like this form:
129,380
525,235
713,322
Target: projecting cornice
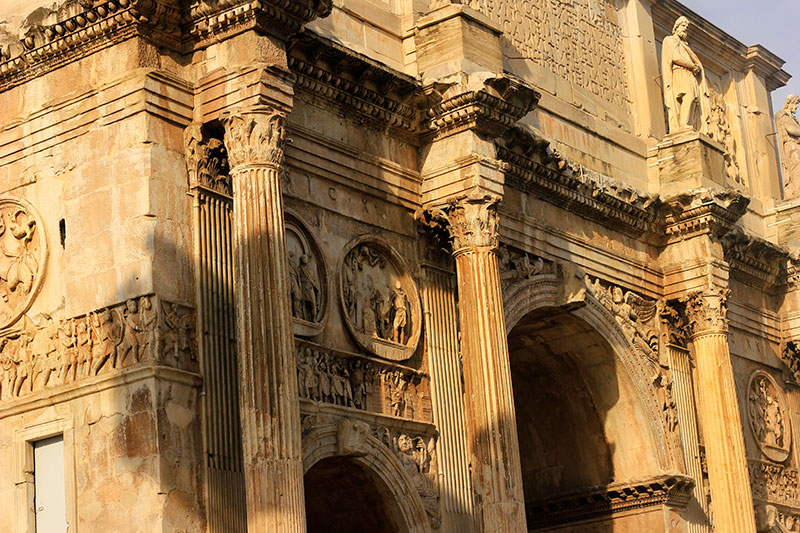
703,211
59,36
755,261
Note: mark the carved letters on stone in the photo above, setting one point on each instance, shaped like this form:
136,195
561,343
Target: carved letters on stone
768,416
255,137
36,356
23,252
308,290
379,300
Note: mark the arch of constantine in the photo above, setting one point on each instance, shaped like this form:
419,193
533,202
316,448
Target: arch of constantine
395,266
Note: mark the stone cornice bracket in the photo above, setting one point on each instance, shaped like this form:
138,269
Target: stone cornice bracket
490,107
471,221
208,19
254,137
755,261
707,312
703,211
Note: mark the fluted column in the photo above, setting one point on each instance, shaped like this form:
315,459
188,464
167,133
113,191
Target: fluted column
269,408
732,501
489,399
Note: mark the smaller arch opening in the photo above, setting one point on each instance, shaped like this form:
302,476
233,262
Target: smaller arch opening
343,496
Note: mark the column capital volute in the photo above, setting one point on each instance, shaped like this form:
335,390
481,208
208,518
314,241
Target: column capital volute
470,220
707,312
254,136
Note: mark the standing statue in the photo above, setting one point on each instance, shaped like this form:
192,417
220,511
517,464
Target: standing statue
682,74
789,137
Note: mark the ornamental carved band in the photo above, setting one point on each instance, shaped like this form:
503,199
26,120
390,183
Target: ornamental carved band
707,311
254,137
471,222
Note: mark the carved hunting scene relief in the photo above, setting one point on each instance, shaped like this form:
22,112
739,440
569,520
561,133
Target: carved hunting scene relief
308,293
380,302
50,353
22,259
768,417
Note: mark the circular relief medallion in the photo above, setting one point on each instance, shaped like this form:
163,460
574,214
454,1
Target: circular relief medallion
768,417
307,280
380,301
22,258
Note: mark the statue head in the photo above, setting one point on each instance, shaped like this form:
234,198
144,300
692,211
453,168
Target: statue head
791,103
681,27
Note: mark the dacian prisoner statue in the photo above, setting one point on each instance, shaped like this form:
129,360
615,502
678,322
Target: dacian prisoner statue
789,137
682,75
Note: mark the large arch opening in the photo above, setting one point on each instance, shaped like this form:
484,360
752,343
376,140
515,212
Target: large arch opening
581,425
343,496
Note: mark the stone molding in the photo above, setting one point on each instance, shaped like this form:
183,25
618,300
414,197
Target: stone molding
168,23
471,221
673,490
707,312
755,261
254,137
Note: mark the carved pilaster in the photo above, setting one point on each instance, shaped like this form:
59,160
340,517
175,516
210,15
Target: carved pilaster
269,407
491,421
719,412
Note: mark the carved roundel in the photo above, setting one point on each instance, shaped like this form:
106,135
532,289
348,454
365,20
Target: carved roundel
308,281
768,416
379,300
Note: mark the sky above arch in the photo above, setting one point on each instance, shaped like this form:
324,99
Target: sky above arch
775,24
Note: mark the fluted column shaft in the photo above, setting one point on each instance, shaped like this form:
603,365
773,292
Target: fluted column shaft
268,402
732,501
489,399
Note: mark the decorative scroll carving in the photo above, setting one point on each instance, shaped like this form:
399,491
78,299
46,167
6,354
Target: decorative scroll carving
774,483
308,290
767,412
36,356
255,137
380,301
23,252
471,221
789,137
707,311
206,161
579,41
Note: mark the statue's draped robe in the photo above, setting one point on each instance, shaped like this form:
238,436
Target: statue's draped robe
789,136
680,83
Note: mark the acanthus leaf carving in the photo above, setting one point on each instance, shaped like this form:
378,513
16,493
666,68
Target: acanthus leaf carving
471,220
707,311
206,160
254,137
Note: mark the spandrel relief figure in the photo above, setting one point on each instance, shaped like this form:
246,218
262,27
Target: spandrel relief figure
789,138
682,76
415,456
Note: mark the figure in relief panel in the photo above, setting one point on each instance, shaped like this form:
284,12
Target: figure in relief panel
682,75
789,136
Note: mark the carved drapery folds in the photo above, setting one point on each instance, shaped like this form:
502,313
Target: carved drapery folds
471,221
255,136
789,138
707,311
51,353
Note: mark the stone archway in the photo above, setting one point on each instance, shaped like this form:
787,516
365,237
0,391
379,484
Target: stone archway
346,457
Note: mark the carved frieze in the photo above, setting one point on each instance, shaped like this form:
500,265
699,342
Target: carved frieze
379,300
774,483
23,252
308,287
49,353
768,417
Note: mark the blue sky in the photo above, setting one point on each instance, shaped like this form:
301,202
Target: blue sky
774,24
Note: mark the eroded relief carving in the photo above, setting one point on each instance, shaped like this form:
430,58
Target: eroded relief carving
22,256
36,356
768,417
719,129
380,301
789,138
307,289
579,41
516,266
324,377
774,483
206,160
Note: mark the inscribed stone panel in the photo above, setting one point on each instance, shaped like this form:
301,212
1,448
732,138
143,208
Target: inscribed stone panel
577,40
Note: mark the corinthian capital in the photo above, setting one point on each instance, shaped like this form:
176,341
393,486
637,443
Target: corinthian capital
254,137
470,220
707,311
